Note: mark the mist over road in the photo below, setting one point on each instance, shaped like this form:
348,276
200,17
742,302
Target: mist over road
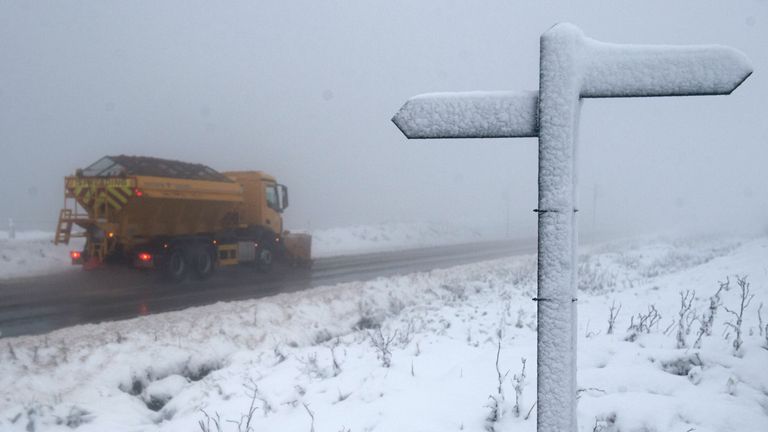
46,303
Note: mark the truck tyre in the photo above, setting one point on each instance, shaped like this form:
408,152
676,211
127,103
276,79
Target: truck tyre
264,259
176,267
202,264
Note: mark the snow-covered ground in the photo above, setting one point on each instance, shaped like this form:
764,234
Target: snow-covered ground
389,236
416,353
33,253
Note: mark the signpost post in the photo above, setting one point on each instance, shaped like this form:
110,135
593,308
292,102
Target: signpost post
572,67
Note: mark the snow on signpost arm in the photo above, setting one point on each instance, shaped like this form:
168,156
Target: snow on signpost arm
470,115
572,67
613,70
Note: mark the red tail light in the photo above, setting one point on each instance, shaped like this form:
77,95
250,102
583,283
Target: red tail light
138,192
145,257
75,255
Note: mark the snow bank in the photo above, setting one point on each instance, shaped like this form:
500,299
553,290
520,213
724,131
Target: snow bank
316,352
389,236
33,253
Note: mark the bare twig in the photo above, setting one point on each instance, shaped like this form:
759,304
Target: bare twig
708,317
746,298
497,401
644,323
530,411
382,344
765,333
406,335
669,327
714,304
205,426
311,416
613,313
683,324
519,386
498,371
244,424
336,367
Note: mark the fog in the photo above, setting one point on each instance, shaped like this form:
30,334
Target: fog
305,90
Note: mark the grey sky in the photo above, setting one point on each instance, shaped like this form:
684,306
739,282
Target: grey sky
305,90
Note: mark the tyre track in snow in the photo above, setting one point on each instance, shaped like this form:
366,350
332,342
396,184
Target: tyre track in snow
42,304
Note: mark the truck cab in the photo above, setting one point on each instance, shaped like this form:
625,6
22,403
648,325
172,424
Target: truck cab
264,200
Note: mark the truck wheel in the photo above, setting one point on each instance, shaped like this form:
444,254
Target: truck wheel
202,264
176,267
265,259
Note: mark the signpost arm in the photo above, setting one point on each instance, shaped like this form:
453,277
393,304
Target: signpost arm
612,70
501,114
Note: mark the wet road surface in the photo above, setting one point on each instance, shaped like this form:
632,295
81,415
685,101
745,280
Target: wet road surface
41,304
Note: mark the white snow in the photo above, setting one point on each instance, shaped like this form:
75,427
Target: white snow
33,253
390,236
304,351
559,110
493,114
613,70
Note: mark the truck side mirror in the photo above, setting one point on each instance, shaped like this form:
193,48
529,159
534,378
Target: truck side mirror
283,197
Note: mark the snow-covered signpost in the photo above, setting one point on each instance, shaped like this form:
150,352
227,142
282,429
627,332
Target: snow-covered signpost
572,67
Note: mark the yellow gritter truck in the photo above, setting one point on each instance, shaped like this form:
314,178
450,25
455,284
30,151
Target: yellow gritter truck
181,218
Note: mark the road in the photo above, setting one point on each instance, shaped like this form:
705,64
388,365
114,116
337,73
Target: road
41,304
